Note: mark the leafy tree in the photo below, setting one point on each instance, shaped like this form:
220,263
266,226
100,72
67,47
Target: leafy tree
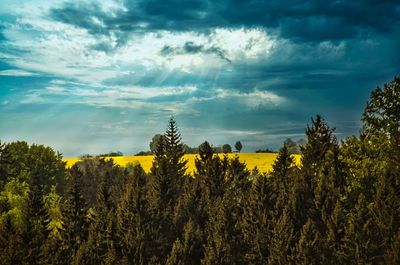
38,162
190,150
226,148
292,146
93,171
238,146
381,117
155,141
11,244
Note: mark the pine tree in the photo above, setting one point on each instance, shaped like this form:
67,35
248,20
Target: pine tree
308,248
319,142
189,249
132,218
355,247
282,239
75,225
211,171
101,243
164,188
4,160
256,225
36,217
219,248
282,175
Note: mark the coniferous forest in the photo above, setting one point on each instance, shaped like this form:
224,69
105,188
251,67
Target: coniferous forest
340,206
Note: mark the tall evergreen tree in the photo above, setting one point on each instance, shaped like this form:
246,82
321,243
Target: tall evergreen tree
36,217
282,239
75,225
220,245
319,142
211,171
101,246
187,250
133,217
4,157
164,189
256,222
308,249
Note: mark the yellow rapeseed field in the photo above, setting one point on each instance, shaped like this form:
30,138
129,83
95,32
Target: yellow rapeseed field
263,161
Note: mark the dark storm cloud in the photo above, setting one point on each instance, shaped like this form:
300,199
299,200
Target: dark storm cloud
293,19
87,16
192,48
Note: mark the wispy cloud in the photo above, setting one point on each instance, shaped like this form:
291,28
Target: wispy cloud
259,69
17,72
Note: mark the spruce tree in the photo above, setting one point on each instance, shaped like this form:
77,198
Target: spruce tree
283,172
101,245
282,239
219,247
36,217
256,222
75,225
132,218
164,188
319,142
211,171
187,250
308,249
4,160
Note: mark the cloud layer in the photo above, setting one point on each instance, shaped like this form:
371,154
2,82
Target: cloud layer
228,70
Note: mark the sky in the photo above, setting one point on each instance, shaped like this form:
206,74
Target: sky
90,77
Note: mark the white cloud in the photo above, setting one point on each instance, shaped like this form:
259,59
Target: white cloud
16,72
63,50
250,99
120,97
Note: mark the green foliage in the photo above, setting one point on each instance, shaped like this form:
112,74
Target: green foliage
14,196
156,141
133,217
226,148
342,205
164,188
292,146
26,162
74,222
238,146
36,218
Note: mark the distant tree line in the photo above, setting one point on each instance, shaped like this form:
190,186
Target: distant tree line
341,206
157,138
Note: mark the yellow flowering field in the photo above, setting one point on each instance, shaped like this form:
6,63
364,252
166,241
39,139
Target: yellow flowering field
263,161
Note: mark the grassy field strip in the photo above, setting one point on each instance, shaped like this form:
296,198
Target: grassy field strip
263,161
